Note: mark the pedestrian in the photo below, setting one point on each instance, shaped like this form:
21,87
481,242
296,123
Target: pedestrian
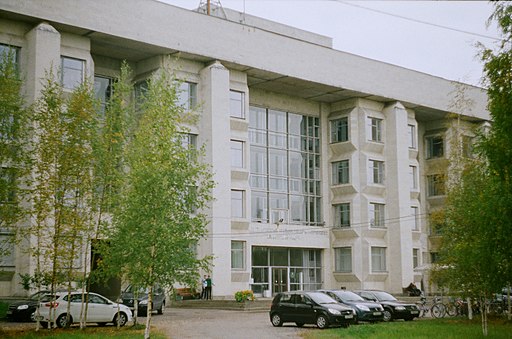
209,288
203,287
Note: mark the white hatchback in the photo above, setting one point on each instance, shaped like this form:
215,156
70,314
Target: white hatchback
100,310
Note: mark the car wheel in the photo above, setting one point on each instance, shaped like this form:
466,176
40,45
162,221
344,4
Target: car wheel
276,320
322,322
161,309
387,315
120,319
62,321
43,324
299,324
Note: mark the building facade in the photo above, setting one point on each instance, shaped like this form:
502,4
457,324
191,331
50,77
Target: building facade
327,165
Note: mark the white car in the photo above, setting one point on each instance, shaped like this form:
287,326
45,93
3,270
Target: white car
100,310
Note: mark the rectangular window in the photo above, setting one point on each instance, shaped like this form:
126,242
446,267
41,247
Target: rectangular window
237,255
413,177
72,72
411,131
339,130
467,146
189,140
103,91
236,104
7,185
342,215
7,257
378,259
434,257
10,53
375,129
415,218
415,257
435,147
376,215
343,259
376,172
187,95
435,185
237,154
237,204
340,172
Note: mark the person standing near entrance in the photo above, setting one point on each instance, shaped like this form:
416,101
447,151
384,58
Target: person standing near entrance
203,287
209,288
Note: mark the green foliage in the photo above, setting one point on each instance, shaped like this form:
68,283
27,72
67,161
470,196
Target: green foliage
244,295
425,328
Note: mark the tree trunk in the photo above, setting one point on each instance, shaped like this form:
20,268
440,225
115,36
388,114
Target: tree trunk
150,309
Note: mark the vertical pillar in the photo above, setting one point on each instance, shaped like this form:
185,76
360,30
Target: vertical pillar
399,252
215,134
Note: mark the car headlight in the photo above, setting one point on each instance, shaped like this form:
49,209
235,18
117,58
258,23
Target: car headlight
143,302
119,301
22,307
400,308
363,308
333,311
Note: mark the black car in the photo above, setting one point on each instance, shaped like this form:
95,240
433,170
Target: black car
365,310
309,308
127,298
393,308
24,310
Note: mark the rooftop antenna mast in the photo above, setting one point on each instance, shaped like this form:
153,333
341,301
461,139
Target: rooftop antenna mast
212,7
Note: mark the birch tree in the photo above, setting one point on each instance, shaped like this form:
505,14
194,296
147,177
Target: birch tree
159,219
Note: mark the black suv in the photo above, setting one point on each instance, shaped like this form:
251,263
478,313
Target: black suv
127,298
309,308
365,310
393,308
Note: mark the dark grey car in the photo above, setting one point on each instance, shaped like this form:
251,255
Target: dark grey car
309,308
128,299
365,310
393,308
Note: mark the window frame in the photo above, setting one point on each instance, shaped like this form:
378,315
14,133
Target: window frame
436,185
340,259
340,169
342,214
377,215
377,172
240,253
238,204
435,146
237,154
411,131
378,259
375,129
63,68
339,130
239,103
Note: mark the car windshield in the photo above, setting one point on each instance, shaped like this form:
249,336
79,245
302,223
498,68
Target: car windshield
36,296
47,297
348,296
321,298
141,290
384,296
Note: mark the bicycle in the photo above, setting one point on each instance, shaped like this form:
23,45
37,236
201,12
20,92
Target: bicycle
437,309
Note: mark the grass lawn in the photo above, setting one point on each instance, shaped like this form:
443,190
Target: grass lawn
425,328
128,332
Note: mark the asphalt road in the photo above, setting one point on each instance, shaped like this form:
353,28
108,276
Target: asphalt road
179,323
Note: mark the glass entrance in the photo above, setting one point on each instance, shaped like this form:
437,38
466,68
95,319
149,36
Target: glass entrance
279,280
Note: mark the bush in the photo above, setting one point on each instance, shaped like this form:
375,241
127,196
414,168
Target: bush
242,296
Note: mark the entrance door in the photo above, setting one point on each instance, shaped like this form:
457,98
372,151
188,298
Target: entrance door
279,280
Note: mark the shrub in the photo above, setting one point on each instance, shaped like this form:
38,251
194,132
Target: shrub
242,296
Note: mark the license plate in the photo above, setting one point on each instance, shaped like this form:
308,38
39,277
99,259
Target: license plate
415,312
349,316
377,313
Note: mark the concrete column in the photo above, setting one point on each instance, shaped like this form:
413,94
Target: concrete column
215,127
43,55
398,202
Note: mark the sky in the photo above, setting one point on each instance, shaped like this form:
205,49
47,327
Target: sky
434,37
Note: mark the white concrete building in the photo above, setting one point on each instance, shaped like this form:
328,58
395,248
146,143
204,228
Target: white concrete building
327,164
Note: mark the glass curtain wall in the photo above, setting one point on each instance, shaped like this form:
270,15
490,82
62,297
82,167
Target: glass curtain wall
285,167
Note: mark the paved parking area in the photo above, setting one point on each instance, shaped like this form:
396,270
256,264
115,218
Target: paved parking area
179,323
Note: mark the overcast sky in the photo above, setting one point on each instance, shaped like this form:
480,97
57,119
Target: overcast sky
428,36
